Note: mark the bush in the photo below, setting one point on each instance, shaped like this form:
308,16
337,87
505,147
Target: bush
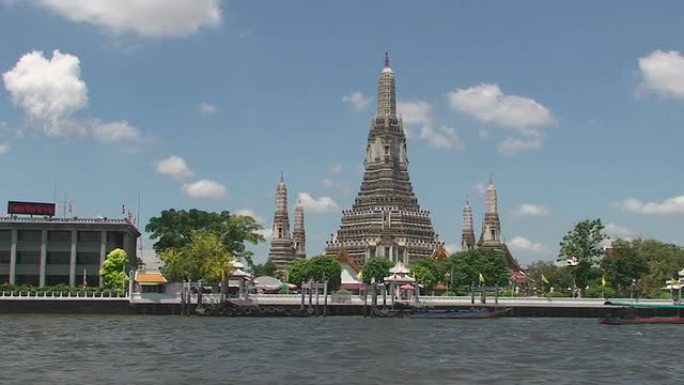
284,291
555,294
449,294
343,292
598,292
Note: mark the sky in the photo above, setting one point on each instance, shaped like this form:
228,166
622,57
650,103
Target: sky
575,108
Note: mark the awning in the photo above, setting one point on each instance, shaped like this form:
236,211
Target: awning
150,279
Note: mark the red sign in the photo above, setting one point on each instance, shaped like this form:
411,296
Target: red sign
31,208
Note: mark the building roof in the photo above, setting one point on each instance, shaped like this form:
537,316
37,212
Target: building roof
343,256
150,278
76,223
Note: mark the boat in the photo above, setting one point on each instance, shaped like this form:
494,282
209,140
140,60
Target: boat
628,314
459,314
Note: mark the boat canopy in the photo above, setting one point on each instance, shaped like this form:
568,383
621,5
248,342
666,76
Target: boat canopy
646,305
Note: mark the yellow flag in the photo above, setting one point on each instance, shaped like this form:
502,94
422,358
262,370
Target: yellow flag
603,281
543,278
482,278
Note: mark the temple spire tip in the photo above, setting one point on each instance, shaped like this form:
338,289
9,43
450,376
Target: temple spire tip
387,60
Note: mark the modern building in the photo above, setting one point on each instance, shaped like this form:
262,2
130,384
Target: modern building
45,251
385,219
286,246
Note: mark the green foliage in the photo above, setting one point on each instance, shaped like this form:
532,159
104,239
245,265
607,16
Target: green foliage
298,272
343,292
623,264
583,245
464,268
376,267
205,257
267,268
425,272
596,291
284,290
320,268
174,228
113,270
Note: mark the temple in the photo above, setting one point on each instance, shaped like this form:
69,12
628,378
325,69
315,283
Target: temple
284,246
490,237
385,218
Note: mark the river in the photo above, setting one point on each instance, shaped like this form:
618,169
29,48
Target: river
74,350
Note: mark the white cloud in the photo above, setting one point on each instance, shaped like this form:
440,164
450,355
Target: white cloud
512,146
663,73
250,213
442,138
115,132
357,100
146,18
416,112
207,109
420,113
531,210
4,147
318,205
335,184
267,233
452,248
489,104
525,116
50,91
174,166
205,189
524,245
674,205
336,169
614,231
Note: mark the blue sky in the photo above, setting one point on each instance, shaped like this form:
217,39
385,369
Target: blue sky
575,107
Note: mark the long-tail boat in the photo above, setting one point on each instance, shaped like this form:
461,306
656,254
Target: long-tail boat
459,314
629,314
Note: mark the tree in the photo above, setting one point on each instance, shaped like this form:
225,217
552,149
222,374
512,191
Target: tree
376,267
267,268
622,264
113,270
298,272
582,247
664,261
205,257
468,265
320,268
425,272
173,229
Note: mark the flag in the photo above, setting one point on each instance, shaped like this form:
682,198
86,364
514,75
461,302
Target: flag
69,207
543,279
603,281
482,278
123,209
359,276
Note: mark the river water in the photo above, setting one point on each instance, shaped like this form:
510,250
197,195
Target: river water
74,350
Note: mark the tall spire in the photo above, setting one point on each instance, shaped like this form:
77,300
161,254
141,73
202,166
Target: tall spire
491,226
298,233
385,219
491,204
387,100
281,252
468,234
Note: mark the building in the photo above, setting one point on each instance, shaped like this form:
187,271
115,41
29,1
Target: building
286,247
385,219
46,251
490,237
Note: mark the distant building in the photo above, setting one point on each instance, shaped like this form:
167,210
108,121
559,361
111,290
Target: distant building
48,251
385,219
286,246
490,237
